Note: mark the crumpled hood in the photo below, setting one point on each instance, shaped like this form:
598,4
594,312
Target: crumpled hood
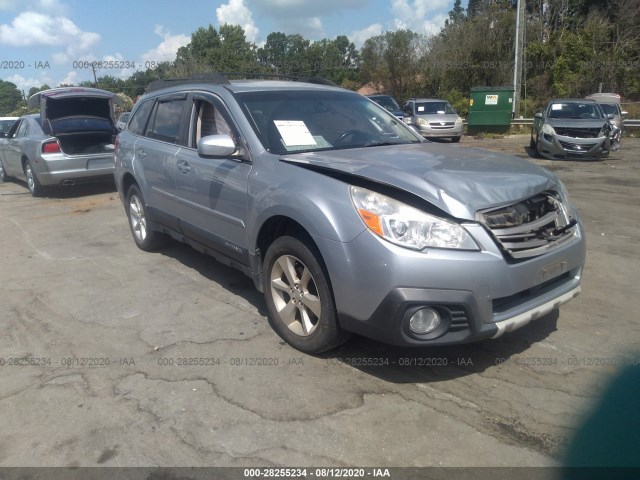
576,122
458,180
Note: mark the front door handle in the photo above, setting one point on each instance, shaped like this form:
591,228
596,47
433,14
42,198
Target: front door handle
183,166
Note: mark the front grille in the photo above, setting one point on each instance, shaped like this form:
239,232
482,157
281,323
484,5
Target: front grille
577,132
577,147
439,124
529,228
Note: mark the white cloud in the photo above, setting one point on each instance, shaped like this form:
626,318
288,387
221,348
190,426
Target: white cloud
309,27
26,83
421,16
30,29
167,49
70,79
236,13
360,36
304,8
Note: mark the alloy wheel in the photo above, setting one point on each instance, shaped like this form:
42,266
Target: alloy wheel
295,295
137,218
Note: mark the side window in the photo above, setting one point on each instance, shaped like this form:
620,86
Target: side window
138,123
23,129
209,119
166,121
14,128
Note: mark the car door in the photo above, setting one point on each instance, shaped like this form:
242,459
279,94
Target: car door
156,152
16,138
212,192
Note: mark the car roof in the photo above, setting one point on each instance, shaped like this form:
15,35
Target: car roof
572,100
249,83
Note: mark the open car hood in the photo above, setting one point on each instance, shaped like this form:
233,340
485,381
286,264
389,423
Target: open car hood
457,180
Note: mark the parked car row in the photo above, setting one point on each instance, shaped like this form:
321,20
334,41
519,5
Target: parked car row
344,216
566,128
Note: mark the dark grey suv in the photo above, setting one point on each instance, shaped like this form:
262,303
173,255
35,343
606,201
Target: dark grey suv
343,216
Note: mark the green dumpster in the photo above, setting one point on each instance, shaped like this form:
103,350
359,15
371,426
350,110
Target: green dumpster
490,110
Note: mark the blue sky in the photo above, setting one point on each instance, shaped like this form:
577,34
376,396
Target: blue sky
46,41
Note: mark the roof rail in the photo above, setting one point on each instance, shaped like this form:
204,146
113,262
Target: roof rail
222,78
212,77
280,76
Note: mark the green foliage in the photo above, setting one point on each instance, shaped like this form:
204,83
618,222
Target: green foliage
392,62
572,47
10,97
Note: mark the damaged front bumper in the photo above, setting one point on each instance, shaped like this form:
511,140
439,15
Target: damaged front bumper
559,146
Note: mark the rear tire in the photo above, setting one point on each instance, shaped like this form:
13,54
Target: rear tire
299,298
145,237
33,184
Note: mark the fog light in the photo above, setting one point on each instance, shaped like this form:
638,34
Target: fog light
425,320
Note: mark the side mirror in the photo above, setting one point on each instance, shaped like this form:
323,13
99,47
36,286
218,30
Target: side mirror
216,146
610,116
538,115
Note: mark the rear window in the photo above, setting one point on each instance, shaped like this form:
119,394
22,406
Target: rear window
165,124
81,124
138,122
78,106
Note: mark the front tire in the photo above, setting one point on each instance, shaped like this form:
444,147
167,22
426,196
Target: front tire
3,173
34,185
300,301
455,139
145,237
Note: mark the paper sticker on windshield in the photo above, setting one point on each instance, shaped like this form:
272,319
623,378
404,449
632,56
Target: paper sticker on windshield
294,133
421,109
556,106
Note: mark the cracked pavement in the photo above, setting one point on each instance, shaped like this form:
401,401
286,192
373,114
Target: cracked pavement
127,358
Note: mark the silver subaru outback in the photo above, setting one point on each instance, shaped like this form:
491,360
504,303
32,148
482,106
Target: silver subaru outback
344,217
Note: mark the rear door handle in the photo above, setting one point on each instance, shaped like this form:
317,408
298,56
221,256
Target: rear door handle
141,153
183,166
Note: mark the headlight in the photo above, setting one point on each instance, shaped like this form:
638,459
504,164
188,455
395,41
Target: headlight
407,226
423,122
458,121
548,129
605,130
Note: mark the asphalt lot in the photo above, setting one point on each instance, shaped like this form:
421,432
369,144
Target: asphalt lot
127,358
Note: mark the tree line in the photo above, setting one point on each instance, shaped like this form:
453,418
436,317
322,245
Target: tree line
572,48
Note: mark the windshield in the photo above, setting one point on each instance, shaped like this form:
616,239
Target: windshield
575,110
431,108
387,102
305,121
